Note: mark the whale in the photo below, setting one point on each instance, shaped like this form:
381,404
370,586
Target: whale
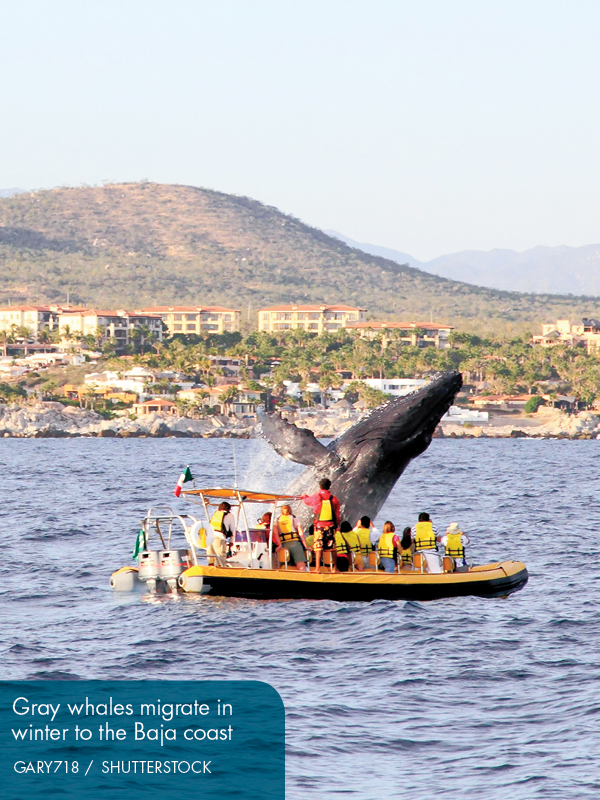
365,462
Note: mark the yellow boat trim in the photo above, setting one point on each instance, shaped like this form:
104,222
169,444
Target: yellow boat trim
126,569
482,573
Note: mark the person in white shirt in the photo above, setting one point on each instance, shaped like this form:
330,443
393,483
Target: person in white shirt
454,542
425,537
223,524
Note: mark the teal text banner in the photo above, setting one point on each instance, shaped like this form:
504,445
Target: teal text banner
150,739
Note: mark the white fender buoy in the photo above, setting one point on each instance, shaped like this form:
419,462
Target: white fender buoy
196,537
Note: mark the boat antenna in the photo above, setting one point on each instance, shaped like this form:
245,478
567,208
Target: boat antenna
235,486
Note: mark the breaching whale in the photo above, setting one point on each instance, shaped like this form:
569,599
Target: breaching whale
365,462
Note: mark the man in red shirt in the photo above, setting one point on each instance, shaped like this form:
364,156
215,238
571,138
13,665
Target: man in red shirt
327,519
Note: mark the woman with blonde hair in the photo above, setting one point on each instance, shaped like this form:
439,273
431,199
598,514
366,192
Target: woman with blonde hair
387,547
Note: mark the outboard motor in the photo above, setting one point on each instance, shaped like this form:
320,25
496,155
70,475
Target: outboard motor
149,571
172,564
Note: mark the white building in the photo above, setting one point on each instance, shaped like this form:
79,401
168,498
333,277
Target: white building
459,415
397,387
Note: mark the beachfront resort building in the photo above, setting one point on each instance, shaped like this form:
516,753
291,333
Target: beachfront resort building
197,319
32,318
417,334
583,332
123,326
314,319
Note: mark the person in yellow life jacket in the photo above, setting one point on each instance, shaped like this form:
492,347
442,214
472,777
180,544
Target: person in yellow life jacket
454,541
342,547
387,547
425,537
407,548
223,524
326,509
291,537
363,532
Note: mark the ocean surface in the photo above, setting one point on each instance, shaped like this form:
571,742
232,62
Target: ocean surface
462,698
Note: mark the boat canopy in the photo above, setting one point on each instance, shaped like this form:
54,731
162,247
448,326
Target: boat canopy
236,495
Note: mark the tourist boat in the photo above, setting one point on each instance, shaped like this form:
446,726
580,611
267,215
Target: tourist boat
252,571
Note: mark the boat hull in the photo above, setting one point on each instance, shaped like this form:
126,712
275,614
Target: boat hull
490,580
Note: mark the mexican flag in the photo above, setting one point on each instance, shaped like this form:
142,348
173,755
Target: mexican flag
185,476
140,544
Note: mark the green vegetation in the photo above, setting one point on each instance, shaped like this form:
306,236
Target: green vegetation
134,245
9,392
532,405
507,366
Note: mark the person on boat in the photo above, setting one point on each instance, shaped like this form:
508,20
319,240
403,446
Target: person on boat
353,543
363,530
425,537
223,524
326,509
407,548
291,537
454,541
387,547
309,538
342,547
264,524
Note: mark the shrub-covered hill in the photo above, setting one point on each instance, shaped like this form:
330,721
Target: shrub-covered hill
129,245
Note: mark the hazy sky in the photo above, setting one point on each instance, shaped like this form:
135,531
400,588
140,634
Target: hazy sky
421,125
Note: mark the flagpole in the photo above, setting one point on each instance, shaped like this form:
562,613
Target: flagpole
235,486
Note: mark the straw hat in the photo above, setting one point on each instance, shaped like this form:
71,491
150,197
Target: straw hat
453,528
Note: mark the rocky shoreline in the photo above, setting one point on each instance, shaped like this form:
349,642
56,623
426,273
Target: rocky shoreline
55,420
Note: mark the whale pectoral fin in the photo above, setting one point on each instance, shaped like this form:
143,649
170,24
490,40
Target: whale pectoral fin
295,444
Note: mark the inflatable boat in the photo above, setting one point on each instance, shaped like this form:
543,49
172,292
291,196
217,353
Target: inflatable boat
250,570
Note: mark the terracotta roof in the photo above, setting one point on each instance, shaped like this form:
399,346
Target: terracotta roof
167,309
25,308
95,312
502,397
401,325
313,308
156,401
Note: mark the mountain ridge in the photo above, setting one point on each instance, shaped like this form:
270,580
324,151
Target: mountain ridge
540,270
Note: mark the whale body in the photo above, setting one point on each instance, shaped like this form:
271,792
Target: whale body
365,462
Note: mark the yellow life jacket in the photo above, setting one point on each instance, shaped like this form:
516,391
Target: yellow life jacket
454,545
326,513
406,555
287,531
353,541
364,538
425,537
385,546
216,521
340,544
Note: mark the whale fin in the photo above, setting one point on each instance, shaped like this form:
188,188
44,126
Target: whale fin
296,444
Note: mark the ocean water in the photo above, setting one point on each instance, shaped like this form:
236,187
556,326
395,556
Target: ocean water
462,698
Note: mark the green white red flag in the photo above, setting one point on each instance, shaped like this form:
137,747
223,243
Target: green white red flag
185,477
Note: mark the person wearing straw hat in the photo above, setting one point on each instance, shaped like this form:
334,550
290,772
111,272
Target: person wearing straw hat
454,541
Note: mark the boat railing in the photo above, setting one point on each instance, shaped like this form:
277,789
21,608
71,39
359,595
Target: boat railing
160,522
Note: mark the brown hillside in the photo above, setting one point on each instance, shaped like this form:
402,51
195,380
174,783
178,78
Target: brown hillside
129,245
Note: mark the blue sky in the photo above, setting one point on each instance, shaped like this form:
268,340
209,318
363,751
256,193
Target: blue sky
425,126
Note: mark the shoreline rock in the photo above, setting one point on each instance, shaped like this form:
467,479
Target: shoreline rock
52,420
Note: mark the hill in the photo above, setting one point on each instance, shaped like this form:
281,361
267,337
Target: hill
555,270
128,245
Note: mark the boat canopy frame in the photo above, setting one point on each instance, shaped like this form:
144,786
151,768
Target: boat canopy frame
237,498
